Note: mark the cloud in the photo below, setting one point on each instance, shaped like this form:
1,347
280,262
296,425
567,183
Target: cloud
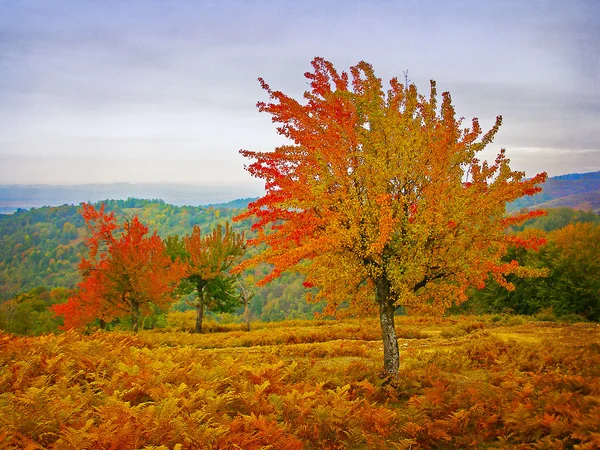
128,87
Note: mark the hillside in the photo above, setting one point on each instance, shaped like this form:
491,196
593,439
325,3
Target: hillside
586,201
17,196
576,190
43,247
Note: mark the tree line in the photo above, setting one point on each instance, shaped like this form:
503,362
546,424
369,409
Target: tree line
569,287
43,246
30,267
569,283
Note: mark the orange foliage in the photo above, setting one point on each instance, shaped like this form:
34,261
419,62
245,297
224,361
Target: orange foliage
122,274
380,194
373,186
174,390
212,255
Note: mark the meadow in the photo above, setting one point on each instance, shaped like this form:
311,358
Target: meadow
464,382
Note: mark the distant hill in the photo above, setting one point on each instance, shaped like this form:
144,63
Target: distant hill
43,247
15,196
576,190
234,204
587,201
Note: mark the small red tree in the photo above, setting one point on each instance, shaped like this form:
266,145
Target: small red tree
380,199
122,274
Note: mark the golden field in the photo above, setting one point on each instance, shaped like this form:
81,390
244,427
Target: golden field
486,382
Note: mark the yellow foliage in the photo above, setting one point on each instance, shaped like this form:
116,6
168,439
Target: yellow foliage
462,386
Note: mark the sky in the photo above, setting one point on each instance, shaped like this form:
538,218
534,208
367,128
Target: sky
165,91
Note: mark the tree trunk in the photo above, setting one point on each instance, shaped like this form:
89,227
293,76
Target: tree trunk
247,314
199,311
135,318
387,308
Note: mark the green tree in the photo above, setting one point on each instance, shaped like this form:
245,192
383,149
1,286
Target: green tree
524,298
571,282
207,260
29,312
572,257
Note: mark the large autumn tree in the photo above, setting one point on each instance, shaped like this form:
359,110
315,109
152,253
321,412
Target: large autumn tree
380,199
207,260
126,271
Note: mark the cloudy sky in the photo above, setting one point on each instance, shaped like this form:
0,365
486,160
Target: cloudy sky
165,91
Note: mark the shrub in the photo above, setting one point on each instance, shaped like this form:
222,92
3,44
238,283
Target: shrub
545,315
572,318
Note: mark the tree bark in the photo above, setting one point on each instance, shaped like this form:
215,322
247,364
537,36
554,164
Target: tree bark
387,308
247,314
135,310
135,318
246,297
199,311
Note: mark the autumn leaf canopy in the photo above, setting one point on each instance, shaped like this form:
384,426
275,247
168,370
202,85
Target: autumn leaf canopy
382,184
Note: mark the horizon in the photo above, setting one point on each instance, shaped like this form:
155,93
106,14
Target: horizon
159,183
27,196
14,196
199,185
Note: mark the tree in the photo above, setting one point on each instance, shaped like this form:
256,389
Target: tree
124,274
523,299
246,295
28,313
207,261
380,200
572,257
571,260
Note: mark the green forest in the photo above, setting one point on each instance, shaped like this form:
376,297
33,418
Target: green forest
41,249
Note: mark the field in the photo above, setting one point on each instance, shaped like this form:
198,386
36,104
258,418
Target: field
490,382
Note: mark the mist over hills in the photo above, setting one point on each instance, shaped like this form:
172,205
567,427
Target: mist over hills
15,196
576,190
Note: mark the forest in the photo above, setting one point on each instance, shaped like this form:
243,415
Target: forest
41,250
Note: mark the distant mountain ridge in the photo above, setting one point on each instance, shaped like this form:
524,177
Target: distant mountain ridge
574,190
14,196
587,201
